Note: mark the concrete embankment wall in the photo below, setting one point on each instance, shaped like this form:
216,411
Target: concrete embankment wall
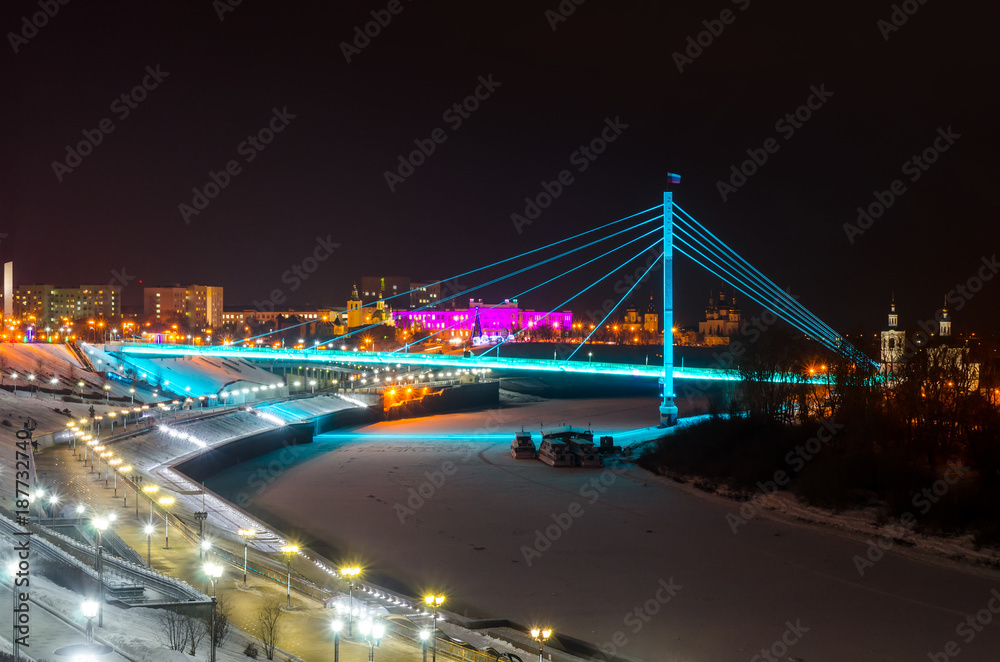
223,456
465,396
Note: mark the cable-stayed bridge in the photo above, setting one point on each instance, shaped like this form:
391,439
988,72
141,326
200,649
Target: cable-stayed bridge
666,228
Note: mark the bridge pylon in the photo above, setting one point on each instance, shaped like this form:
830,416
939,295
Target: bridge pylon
668,409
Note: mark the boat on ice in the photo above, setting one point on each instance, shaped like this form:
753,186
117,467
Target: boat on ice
523,447
569,447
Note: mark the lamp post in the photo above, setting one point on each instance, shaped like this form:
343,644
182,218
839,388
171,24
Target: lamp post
246,534
106,456
123,470
166,501
336,626
148,530
149,491
350,573
289,551
373,633
89,609
113,464
107,393
100,523
434,601
540,635
132,393
424,636
214,571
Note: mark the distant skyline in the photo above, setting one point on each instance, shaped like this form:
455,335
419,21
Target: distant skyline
848,154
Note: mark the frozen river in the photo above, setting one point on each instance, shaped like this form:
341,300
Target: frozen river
614,556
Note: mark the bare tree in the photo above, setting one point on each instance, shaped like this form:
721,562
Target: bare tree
223,624
173,629
268,616
197,629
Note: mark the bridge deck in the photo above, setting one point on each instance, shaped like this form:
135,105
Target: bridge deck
427,360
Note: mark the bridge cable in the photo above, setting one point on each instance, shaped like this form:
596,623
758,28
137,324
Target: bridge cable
843,347
620,301
778,307
509,275
535,287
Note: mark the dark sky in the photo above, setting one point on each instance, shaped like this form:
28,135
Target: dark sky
323,175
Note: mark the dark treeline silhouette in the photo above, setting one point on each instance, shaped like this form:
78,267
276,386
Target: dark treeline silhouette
858,438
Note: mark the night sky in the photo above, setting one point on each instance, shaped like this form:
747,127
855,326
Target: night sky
323,175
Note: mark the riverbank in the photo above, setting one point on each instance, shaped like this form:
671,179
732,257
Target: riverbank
517,539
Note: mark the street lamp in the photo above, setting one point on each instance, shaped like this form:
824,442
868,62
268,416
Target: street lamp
214,571
106,455
107,393
132,393
434,601
100,523
148,530
350,573
289,551
149,491
123,470
373,633
336,626
89,609
246,534
166,501
540,635
424,636
113,464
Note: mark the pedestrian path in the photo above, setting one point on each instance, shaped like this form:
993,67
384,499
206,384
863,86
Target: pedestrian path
305,628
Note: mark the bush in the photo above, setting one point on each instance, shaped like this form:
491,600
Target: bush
251,651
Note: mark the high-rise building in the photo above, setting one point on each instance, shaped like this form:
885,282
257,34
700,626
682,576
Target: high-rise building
200,305
424,295
49,304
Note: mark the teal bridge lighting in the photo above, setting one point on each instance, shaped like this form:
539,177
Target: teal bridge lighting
436,361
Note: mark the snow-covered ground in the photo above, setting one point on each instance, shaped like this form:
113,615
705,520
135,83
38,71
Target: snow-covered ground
614,556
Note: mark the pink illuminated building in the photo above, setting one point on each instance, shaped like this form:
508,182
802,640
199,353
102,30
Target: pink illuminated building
497,320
